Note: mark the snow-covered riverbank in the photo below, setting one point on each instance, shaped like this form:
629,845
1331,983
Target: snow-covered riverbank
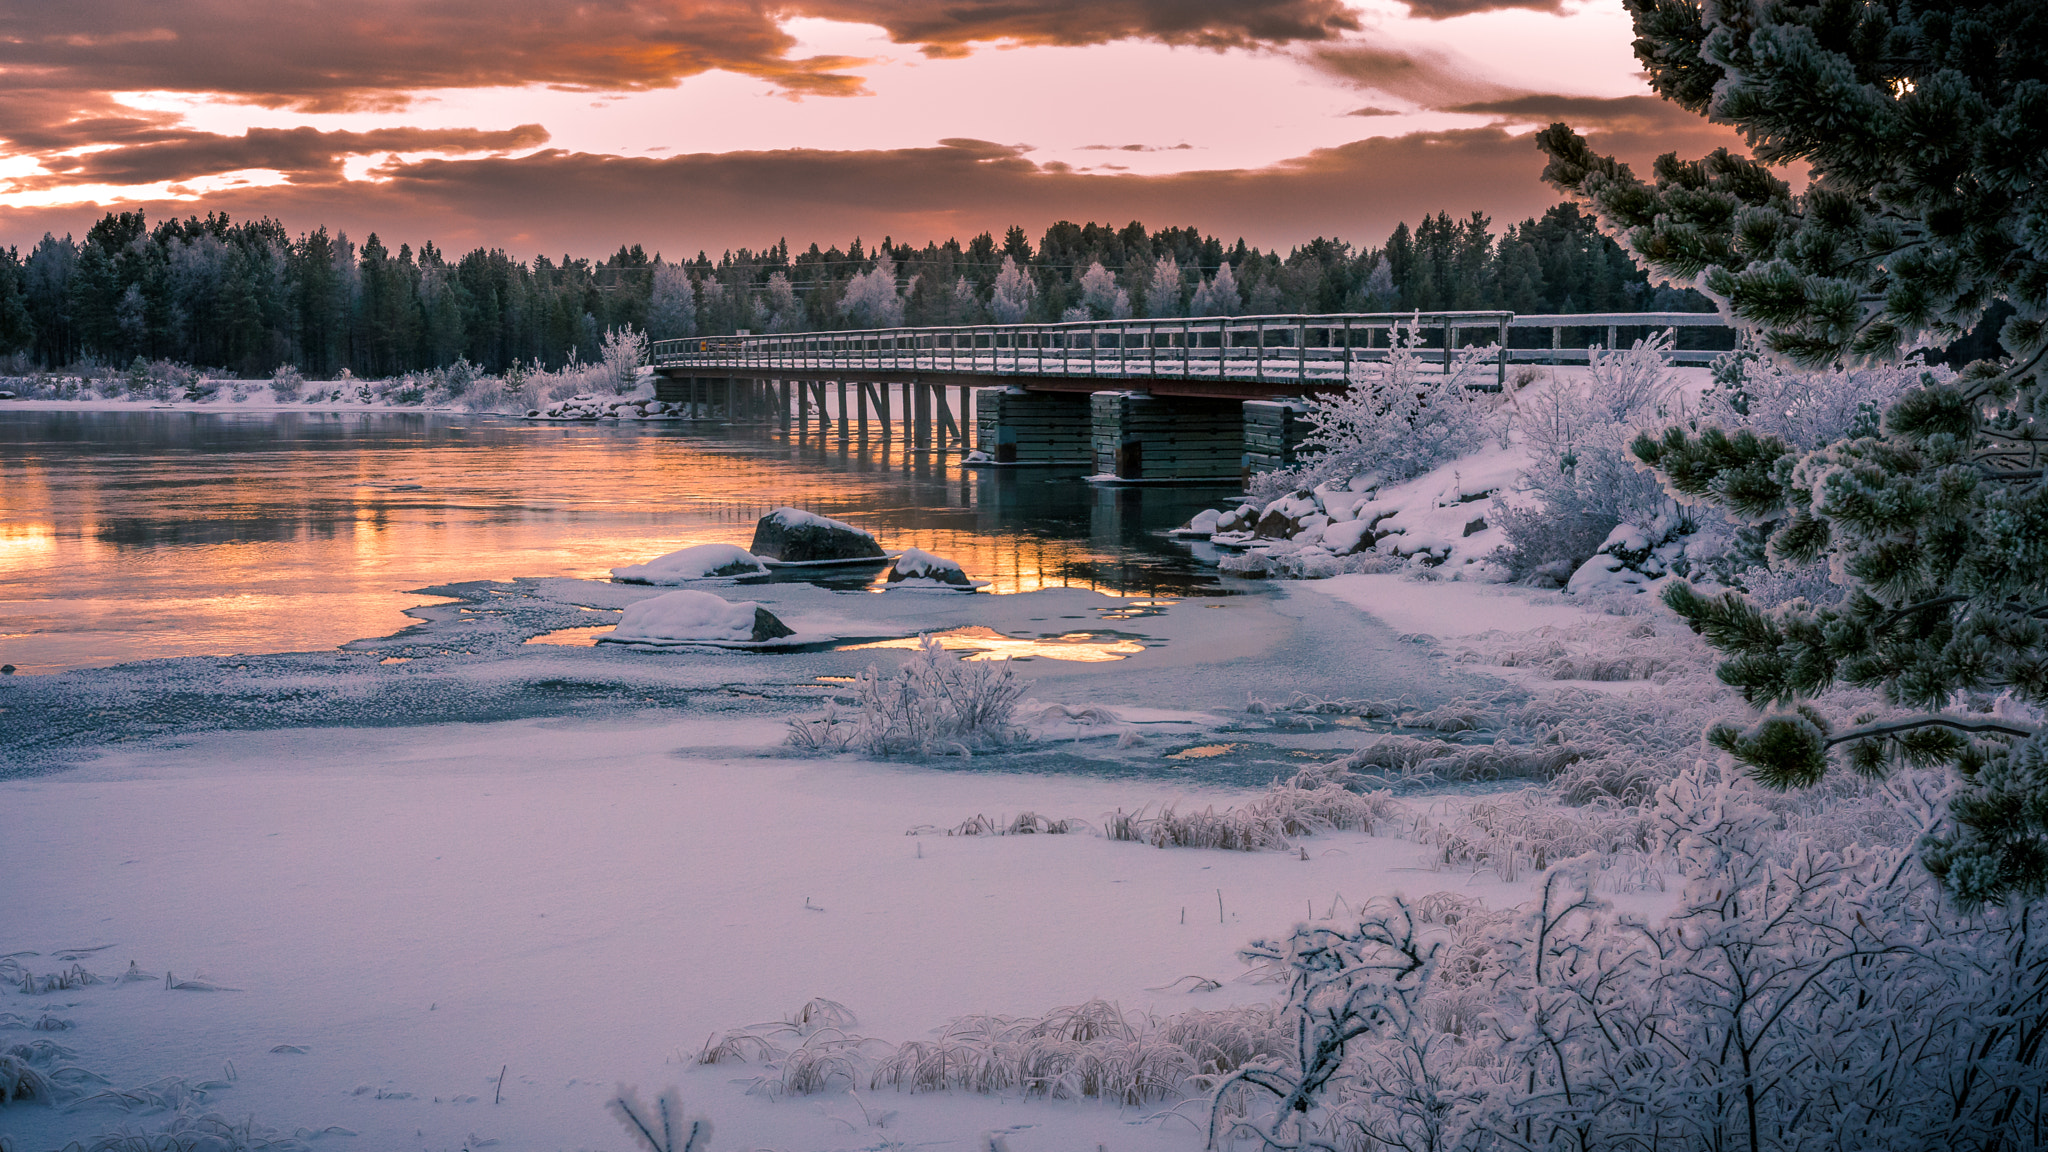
581,899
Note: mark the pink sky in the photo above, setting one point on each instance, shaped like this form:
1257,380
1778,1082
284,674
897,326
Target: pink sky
543,127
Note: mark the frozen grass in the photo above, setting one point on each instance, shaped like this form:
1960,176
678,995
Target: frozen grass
1319,798
662,1128
934,703
1529,831
1092,1050
1407,762
1022,824
205,1132
13,972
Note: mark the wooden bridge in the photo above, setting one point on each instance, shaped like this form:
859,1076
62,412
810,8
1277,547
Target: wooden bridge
1035,377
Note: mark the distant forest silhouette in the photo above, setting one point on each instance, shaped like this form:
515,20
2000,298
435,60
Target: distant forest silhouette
247,297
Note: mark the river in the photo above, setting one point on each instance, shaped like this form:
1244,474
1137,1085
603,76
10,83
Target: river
135,534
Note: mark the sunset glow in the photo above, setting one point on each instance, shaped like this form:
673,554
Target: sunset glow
688,126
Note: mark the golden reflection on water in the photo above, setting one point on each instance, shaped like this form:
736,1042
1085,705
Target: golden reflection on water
22,540
141,534
988,644
583,637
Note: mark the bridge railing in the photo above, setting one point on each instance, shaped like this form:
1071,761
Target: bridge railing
1278,349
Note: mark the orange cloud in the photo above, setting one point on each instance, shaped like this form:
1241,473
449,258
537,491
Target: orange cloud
543,202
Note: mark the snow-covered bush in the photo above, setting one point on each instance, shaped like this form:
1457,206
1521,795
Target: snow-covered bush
286,383
1799,997
1582,479
933,704
622,353
1398,419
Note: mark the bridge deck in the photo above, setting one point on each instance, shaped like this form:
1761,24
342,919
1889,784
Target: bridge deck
1239,357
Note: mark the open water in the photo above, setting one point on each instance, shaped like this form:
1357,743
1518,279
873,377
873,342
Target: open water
129,535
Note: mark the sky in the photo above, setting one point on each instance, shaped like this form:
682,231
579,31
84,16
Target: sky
552,127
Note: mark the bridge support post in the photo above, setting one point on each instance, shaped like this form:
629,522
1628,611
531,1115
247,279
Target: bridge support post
922,408
1273,434
1137,436
1018,427
842,411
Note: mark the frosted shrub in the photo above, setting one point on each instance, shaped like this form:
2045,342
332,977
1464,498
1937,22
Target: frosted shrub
622,353
1797,997
1398,419
286,383
933,704
1583,478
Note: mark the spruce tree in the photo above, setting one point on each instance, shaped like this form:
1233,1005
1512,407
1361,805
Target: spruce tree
1925,126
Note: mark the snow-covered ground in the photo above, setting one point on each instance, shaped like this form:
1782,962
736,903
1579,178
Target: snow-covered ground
581,900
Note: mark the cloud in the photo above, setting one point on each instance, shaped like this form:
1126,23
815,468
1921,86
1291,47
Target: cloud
1637,113
303,154
1424,76
1135,148
946,27
713,201
1370,111
1446,9
370,53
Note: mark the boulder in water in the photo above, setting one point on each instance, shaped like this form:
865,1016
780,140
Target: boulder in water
794,536
689,615
699,562
918,564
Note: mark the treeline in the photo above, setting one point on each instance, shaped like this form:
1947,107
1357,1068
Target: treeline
247,297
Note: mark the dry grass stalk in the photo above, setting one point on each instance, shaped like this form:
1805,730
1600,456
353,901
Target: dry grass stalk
1316,799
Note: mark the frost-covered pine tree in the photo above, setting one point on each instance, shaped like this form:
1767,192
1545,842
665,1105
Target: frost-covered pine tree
1011,302
672,304
1925,127
1218,295
1378,292
1101,296
1162,291
784,308
872,300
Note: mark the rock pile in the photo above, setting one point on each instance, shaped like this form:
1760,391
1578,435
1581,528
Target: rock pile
588,407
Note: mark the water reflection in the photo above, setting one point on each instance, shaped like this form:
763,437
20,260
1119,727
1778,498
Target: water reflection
135,534
988,644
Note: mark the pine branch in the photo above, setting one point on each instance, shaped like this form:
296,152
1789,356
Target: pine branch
1886,729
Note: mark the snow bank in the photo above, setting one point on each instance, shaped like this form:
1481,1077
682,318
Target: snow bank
412,910
697,562
689,615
